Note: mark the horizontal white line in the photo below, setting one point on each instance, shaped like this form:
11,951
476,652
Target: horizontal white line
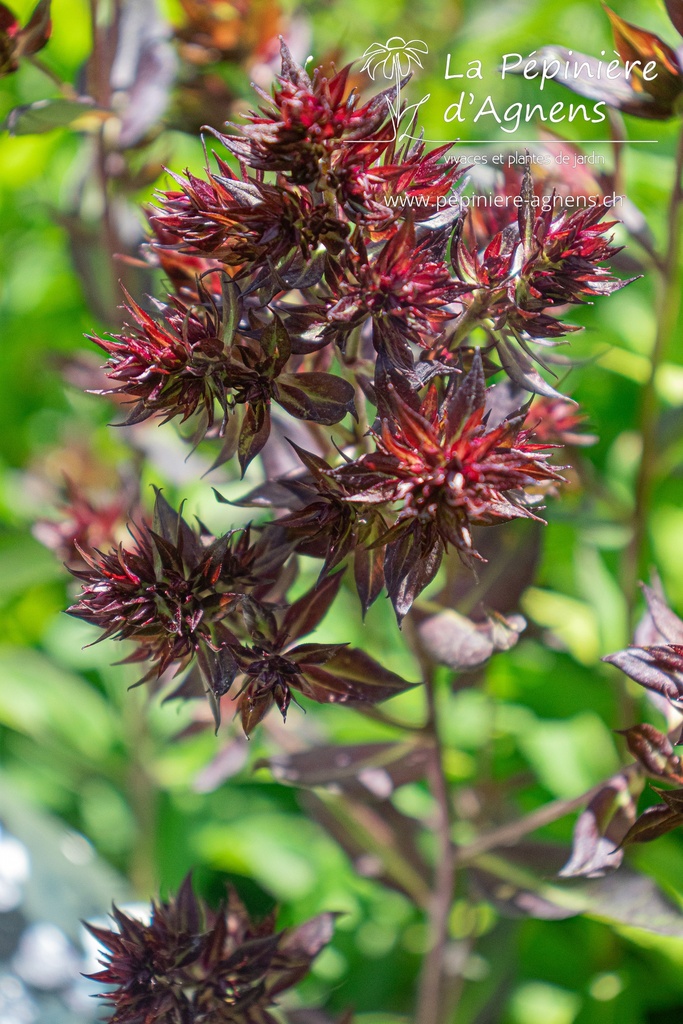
547,142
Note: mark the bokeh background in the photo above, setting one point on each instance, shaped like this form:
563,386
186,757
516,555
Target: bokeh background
128,793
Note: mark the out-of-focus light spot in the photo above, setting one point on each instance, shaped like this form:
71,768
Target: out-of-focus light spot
605,987
76,848
16,1006
538,1003
45,958
15,864
374,940
10,896
330,965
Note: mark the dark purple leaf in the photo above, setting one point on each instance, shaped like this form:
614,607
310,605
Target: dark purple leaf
307,939
410,564
636,44
675,11
642,667
352,676
320,397
230,440
659,624
314,654
599,830
253,434
363,769
616,92
254,711
624,897
464,397
274,340
521,370
311,608
673,798
37,30
368,571
654,822
653,750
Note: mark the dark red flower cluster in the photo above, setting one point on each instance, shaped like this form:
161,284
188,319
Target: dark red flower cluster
191,965
344,243
85,524
298,130
538,263
188,361
185,597
330,272
439,468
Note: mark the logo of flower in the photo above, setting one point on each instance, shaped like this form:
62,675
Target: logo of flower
394,59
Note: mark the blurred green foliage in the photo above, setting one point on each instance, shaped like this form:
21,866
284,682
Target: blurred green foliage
107,762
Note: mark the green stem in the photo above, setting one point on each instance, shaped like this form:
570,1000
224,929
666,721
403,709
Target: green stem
142,796
431,995
667,310
66,89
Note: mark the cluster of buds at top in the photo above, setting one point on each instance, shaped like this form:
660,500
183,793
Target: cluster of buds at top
192,965
185,598
337,233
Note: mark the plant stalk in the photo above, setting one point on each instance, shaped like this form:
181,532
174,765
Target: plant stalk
667,309
431,1000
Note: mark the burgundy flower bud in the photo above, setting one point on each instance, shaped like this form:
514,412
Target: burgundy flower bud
16,42
410,181
241,221
447,470
557,421
171,365
405,279
166,251
189,360
85,525
171,593
193,965
300,128
545,260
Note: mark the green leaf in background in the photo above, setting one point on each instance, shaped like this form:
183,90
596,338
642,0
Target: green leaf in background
80,115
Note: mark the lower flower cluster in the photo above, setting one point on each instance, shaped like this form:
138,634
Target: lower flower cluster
185,598
192,965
